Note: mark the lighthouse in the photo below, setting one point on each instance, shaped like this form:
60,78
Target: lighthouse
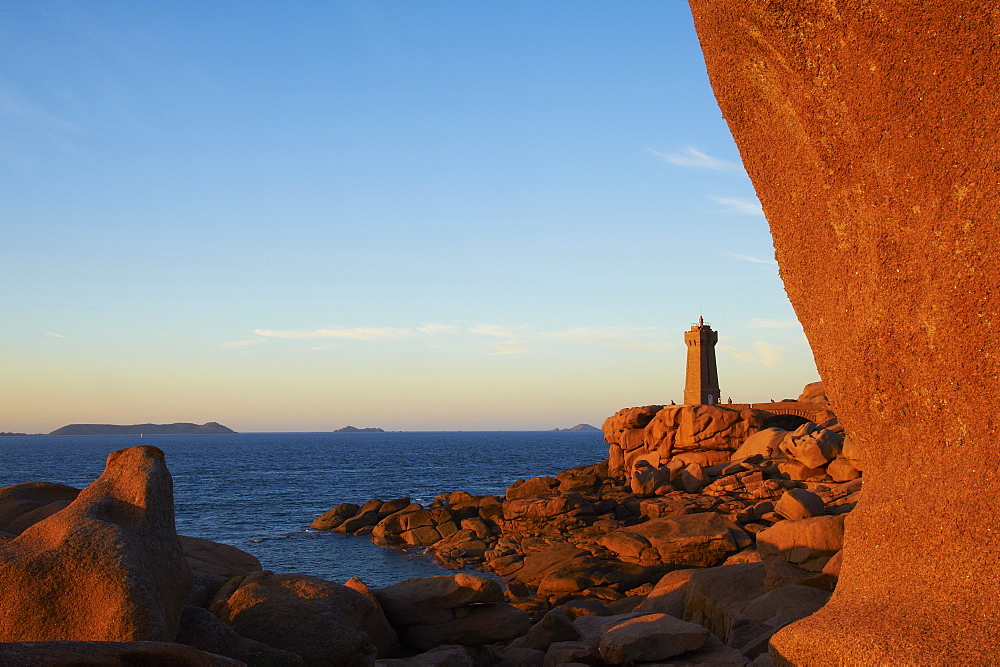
701,385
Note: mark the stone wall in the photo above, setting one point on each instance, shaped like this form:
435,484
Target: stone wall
870,132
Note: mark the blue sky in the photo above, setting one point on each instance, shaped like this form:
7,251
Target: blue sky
433,215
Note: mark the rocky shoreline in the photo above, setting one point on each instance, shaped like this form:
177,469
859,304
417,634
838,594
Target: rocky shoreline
681,563
623,539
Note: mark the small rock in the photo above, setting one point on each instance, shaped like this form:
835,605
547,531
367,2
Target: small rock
651,637
799,504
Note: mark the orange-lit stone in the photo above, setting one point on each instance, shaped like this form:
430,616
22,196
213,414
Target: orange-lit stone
108,567
870,131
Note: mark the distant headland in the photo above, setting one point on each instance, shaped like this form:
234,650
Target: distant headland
142,429
578,427
354,429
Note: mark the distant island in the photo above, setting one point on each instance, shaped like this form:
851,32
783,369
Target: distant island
142,429
354,429
578,427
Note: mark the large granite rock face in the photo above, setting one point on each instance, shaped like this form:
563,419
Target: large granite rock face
870,131
107,567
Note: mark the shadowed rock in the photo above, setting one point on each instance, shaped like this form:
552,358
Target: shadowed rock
108,567
323,622
22,505
870,132
63,653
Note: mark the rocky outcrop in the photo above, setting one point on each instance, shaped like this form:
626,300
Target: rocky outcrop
107,567
591,560
588,543
870,132
654,435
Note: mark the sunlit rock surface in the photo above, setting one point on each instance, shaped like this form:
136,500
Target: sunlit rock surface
107,567
870,131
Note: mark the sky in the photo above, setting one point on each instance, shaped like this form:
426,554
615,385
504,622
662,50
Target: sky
296,216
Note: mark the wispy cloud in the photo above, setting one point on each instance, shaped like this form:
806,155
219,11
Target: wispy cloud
758,323
618,338
770,355
432,329
53,334
514,340
362,333
740,205
748,258
737,353
692,157
766,354
495,330
490,339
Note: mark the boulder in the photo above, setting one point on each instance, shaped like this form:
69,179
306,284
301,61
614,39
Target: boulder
323,622
798,541
717,596
797,504
535,486
472,626
554,626
691,540
842,470
814,447
693,478
586,649
814,393
852,453
218,559
766,442
434,599
211,564
364,519
798,471
206,632
22,505
333,518
649,638
645,479
542,507
669,595
117,537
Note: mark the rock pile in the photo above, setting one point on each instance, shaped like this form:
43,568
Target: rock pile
740,547
680,561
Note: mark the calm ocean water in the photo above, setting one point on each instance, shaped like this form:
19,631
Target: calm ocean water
260,491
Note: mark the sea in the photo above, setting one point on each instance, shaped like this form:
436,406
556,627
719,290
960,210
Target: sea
260,491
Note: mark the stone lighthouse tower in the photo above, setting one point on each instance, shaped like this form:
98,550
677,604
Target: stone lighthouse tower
702,379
